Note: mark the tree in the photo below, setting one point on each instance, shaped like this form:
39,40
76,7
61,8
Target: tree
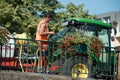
16,17
24,15
69,11
77,11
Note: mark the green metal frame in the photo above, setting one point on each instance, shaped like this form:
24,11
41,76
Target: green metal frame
91,21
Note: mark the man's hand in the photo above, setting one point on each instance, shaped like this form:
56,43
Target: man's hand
51,32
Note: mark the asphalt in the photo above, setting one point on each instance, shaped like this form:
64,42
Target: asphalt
92,79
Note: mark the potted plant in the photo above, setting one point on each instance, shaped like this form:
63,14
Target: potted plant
81,43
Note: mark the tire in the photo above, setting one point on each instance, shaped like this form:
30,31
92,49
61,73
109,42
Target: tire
76,67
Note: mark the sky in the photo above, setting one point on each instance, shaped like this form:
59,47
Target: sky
96,6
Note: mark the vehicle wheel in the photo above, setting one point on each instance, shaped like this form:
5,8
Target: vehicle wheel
76,67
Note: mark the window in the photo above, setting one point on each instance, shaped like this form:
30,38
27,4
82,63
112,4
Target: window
106,19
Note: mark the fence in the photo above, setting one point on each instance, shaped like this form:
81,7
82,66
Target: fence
24,55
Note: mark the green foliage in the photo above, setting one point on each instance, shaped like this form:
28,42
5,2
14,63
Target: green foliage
24,15
79,42
3,36
77,11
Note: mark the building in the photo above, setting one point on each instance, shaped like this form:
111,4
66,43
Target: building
114,19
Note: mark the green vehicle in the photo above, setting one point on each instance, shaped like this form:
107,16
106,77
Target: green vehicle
88,51
81,49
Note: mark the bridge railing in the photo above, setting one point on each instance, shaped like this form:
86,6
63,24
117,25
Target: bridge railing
25,55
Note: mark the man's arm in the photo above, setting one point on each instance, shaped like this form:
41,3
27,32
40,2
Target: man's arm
42,30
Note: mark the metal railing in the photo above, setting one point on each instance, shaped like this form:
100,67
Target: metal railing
24,55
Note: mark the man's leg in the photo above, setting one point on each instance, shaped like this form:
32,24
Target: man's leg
44,60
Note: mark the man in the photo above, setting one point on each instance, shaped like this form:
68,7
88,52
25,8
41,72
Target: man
42,35
43,31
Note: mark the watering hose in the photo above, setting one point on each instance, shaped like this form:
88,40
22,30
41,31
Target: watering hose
20,59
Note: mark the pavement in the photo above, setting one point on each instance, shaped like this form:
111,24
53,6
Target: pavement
91,79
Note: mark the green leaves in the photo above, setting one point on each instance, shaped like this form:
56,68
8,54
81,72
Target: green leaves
24,15
3,36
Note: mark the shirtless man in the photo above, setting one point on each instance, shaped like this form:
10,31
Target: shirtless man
42,35
43,31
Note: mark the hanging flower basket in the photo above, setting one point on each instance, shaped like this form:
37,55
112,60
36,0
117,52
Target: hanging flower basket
96,44
82,44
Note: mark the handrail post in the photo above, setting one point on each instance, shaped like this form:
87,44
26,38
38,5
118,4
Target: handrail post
0,56
117,49
118,67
